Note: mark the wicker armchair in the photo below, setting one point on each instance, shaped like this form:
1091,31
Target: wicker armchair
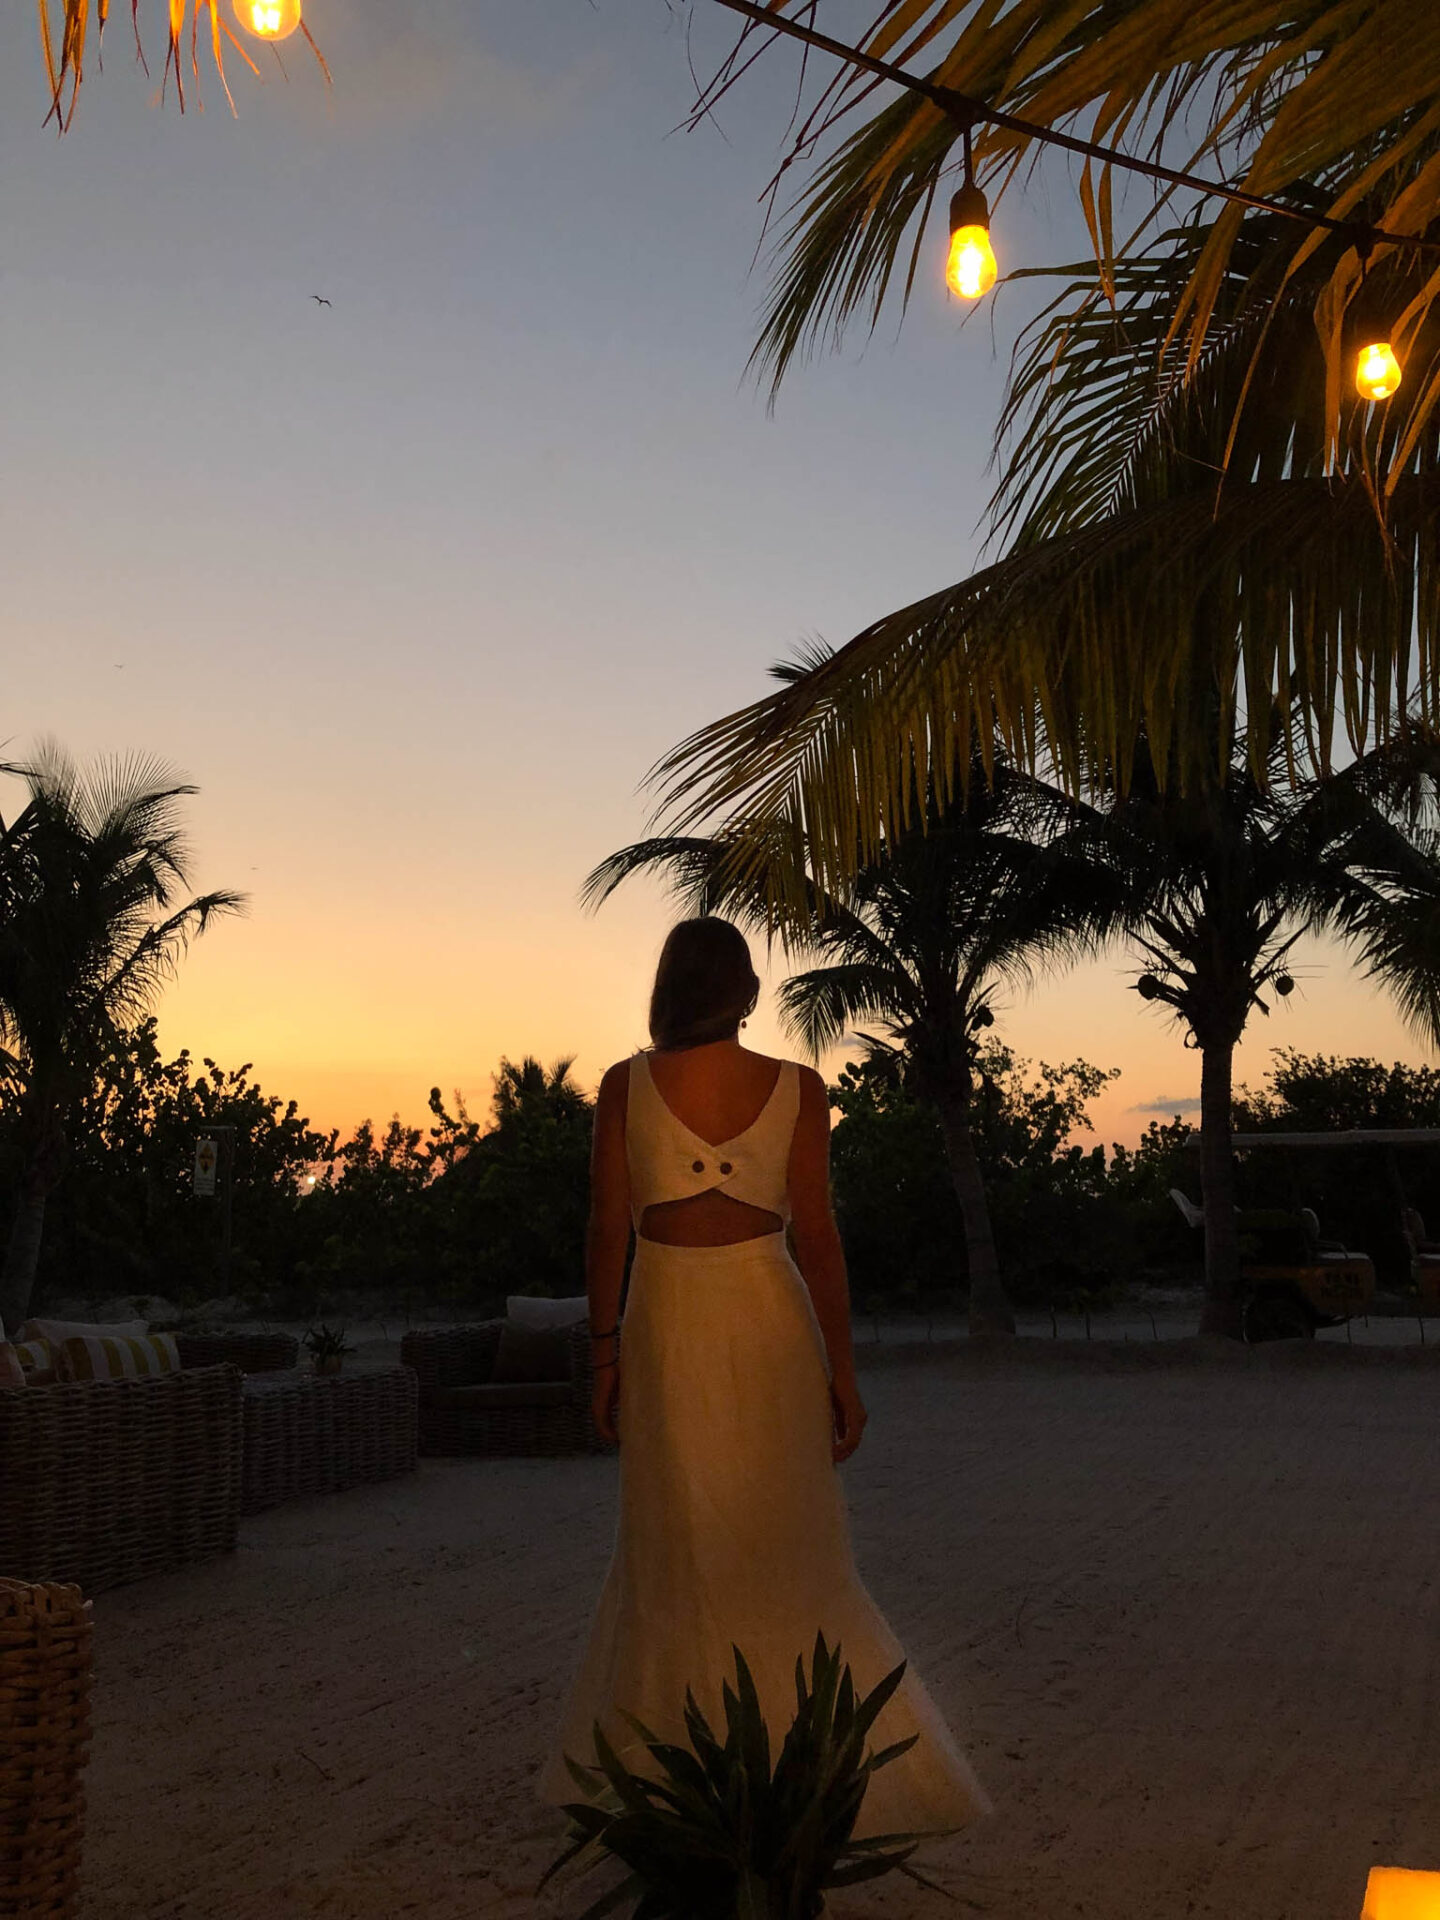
45,1648
463,1411
107,1481
251,1352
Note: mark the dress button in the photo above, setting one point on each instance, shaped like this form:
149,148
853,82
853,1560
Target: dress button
725,1167
697,1166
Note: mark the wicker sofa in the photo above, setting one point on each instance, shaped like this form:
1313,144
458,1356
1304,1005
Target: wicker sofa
462,1410
108,1481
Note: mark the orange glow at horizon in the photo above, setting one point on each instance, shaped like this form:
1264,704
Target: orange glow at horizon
337,1013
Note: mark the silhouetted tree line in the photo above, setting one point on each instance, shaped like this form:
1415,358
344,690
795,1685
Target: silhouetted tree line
460,1211
463,1211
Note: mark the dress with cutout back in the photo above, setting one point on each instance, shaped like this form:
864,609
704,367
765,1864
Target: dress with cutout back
669,1162
732,1525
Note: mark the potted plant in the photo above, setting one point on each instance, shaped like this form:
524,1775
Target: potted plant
711,1832
327,1347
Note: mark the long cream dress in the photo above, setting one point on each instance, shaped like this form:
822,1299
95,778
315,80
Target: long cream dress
732,1525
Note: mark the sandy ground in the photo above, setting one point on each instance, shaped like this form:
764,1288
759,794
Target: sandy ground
1187,1607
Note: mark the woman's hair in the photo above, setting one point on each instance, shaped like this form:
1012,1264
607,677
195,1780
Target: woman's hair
704,984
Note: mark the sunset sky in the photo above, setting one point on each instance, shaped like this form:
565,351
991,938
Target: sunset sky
415,587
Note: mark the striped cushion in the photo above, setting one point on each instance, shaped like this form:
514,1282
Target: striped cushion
12,1374
126,1357
39,1360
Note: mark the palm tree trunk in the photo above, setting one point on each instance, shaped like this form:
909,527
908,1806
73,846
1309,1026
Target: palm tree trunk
22,1255
990,1309
1221,1313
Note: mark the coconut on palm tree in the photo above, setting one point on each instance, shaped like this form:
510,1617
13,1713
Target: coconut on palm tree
93,922
973,896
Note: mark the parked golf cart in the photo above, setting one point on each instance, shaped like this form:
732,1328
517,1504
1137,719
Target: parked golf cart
1293,1280
1296,1280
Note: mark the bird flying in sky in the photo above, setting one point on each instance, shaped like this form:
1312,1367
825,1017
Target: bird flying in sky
319,299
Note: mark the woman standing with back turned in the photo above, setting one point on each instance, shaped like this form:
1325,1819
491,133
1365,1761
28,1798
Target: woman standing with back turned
734,1399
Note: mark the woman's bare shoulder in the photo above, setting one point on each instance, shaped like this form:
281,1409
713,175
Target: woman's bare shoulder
812,1088
754,1058
615,1082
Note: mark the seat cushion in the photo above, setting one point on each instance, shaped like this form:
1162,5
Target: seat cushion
119,1359
531,1355
503,1393
56,1331
39,1360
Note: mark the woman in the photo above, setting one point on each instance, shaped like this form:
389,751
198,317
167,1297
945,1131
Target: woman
734,1396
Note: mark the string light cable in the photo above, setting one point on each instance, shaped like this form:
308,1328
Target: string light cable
968,271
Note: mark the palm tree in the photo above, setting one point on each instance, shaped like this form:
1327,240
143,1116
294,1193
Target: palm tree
91,873
529,1087
976,896
1224,881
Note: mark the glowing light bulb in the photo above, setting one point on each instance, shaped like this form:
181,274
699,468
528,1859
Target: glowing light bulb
1400,1893
268,19
971,268
1377,371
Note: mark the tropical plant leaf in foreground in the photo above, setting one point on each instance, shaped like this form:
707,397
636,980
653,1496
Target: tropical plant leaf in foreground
711,1831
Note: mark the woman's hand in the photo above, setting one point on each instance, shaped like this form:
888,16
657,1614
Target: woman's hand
605,1403
850,1416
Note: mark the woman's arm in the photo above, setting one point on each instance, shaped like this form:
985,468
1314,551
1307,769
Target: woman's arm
821,1257
606,1241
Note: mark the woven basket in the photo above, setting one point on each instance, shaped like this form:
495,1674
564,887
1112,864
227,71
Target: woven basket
45,1635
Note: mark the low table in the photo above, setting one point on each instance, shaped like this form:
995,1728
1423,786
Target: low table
309,1433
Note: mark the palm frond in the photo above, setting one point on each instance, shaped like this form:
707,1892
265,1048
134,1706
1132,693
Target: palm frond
1159,623
68,28
989,890
1284,96
820,1005
128,989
